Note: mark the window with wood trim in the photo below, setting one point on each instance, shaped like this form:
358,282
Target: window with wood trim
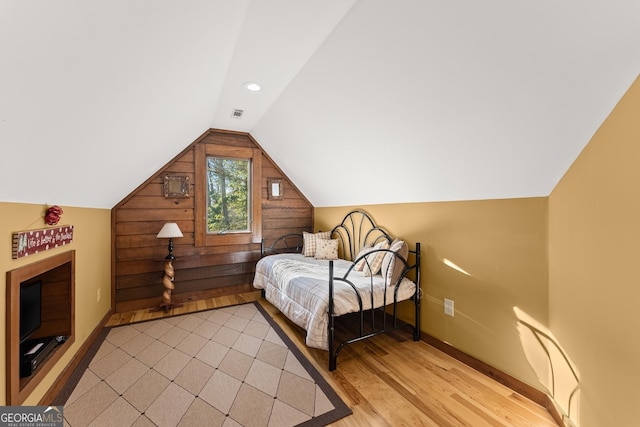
228,195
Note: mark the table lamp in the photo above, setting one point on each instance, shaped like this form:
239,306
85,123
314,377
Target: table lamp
168,231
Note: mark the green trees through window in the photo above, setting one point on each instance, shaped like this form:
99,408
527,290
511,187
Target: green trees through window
228,195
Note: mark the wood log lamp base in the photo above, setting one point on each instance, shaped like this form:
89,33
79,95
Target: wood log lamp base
167,282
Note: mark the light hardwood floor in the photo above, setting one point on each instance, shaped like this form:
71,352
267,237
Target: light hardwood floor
391,381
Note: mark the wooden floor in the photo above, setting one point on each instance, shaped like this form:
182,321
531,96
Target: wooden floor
392,381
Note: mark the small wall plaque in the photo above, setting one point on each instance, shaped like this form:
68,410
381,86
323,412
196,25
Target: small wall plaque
275,189
176,186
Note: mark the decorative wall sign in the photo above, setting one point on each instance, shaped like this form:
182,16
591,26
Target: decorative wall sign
31,242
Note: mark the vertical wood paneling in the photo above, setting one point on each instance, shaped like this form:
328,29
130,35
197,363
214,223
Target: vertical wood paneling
201,271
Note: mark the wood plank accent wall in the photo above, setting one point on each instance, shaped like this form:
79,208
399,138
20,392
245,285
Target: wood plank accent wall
201,271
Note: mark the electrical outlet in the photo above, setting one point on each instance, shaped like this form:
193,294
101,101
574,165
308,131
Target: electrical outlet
448,307
98,295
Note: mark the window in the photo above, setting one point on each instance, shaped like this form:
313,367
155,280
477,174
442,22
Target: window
228,195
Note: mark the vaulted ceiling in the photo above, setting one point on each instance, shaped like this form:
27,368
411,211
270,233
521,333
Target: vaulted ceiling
362,101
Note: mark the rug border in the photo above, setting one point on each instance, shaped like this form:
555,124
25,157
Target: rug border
340,410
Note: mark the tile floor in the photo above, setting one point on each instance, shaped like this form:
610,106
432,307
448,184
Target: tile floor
223,367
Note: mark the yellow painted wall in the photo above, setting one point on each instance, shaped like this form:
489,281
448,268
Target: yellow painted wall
501,244
594,229
92,243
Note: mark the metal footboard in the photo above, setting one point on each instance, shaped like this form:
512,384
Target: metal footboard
371,327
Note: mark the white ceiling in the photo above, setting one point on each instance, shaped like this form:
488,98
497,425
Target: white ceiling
363,101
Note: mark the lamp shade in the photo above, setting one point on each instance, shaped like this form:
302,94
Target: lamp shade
169,230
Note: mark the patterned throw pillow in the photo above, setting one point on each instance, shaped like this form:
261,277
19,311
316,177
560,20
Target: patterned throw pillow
374,260
326,249
391,265
309,241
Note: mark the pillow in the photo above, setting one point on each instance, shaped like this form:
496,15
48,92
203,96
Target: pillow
374,260
360,264
310,239
390,267
326,248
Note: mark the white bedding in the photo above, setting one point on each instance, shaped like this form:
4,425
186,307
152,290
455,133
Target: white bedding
298,287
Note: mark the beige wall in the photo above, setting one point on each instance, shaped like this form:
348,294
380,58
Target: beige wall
501,244
92,242
594,226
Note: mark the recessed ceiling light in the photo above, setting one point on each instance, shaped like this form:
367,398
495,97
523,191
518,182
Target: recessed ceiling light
252,86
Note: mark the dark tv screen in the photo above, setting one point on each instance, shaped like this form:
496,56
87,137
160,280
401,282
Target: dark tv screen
30,308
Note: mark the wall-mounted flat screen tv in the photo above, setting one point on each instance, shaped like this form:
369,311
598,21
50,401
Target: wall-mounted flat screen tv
30,308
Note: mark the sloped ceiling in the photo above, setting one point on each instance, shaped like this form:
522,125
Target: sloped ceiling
363,102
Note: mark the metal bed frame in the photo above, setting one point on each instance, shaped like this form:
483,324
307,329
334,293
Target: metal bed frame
356,231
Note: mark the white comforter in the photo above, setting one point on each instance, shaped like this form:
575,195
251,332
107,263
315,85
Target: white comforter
298,287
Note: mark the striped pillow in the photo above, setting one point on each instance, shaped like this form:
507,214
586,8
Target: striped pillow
309,241
360,264
374,260
391,266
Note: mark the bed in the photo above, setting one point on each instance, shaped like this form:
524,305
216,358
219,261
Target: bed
357,269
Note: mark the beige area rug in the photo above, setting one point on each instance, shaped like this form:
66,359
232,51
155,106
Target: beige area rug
229,366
